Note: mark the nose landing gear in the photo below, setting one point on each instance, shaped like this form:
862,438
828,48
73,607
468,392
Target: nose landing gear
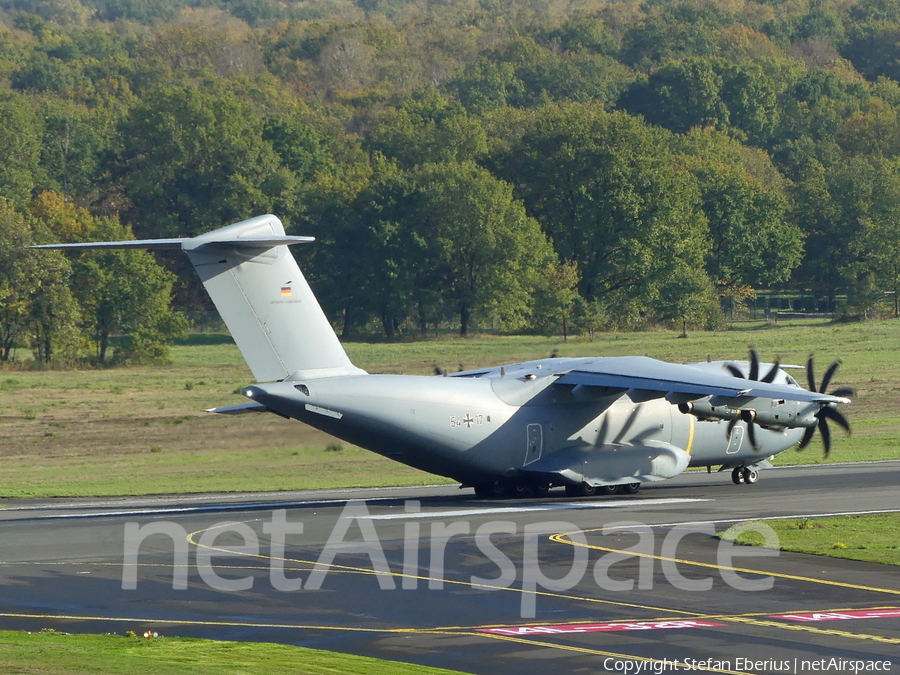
744,474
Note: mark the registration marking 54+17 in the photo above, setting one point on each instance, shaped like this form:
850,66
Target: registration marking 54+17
468,421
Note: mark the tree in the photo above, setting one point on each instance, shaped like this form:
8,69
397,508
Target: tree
673,30
129,295
612,198
74,140
699,92
490,255
875,129
364,260
872,47
753,243
52,320
20,149
686,298
427,127
817,209
37,308
582,32
873,270
570,76
487,84
119,293
194,158
18,274
301,147
679,96
555,299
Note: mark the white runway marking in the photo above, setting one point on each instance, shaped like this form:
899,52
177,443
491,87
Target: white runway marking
262,506
561,506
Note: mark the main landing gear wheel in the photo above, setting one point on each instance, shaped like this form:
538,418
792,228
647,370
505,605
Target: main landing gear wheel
541,489
737,476
607,489
630,489
492,490
522,490
583,490
750,476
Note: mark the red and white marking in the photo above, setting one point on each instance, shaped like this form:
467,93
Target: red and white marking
600,627
890,613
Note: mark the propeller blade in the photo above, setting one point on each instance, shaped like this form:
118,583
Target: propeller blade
734,370
773,371
846,392
833,414
754,365
826,379
731,425
807,437
811,374
751,434
826,435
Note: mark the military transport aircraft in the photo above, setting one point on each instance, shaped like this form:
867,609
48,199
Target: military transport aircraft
594,425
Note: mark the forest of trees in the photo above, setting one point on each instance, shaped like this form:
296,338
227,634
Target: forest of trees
526,165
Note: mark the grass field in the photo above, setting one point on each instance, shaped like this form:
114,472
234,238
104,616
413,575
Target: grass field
874,538
50,653
141,430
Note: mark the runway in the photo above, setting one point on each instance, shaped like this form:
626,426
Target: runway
436,576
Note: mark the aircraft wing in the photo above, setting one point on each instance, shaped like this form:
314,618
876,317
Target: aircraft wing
645,374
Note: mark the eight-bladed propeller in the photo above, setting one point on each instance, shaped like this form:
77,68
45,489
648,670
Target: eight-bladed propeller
825,412
749,415
754,369
828,411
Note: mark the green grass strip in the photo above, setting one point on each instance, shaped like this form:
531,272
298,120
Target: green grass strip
874,538
52,653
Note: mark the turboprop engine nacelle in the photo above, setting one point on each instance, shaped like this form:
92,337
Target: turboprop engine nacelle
767,413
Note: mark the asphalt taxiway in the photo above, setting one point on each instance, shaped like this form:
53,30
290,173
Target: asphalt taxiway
435,576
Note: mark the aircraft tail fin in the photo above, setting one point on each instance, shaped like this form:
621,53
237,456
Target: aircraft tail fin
262,296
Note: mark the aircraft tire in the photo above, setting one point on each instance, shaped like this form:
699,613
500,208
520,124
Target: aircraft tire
492,490
582,490
607,489
737,476
750,476
541,489
522,490
630,489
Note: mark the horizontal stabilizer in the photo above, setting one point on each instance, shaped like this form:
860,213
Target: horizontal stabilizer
194,244
108,245
239,409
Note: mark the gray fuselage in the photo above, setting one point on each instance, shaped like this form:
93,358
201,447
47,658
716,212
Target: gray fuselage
510,422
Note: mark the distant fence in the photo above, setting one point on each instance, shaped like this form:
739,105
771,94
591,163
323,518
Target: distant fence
802,315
